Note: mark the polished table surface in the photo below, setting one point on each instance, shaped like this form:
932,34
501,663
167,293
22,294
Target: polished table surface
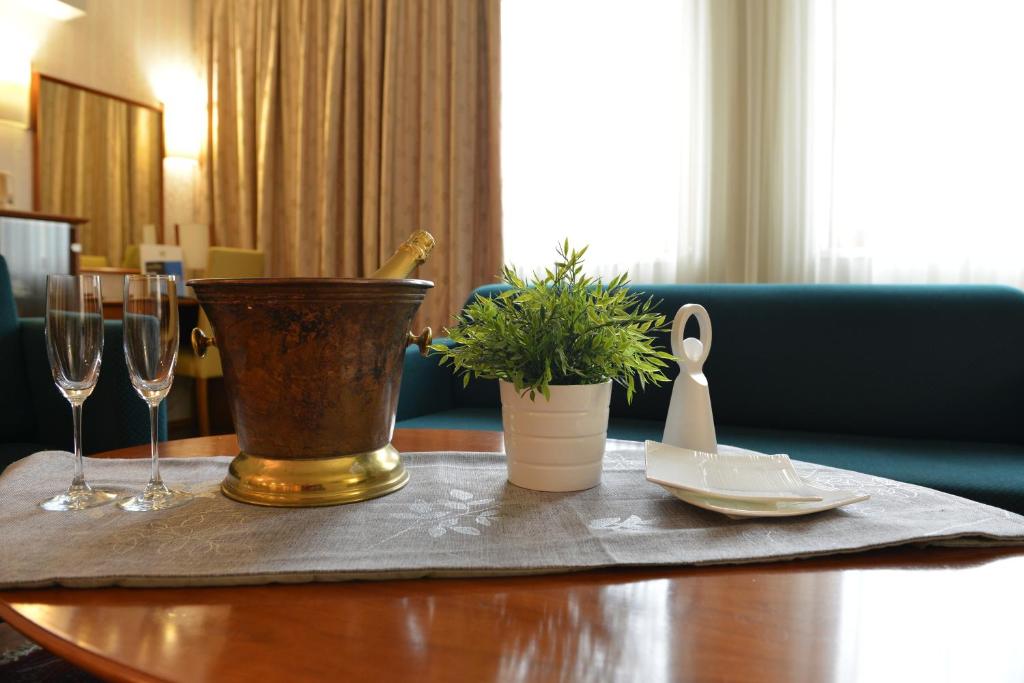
910,615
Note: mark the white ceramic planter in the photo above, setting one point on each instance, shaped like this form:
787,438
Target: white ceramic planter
556,445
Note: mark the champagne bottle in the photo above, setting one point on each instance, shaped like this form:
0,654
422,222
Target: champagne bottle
410,254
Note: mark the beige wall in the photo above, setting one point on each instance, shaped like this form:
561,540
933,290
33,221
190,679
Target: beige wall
116,47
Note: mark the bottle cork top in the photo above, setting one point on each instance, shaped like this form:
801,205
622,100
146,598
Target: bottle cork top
420,243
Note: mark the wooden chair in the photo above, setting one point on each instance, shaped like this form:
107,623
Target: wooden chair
223,262
87,261
131,257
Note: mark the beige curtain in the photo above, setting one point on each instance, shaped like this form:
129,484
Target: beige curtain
338,127
99,158
745,206
145,177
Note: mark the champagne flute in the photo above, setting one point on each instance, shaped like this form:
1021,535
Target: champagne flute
74,346
151,349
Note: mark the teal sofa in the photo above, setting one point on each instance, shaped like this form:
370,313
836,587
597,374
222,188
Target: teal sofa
923,384
33,413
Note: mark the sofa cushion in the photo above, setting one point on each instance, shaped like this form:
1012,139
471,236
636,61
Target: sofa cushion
482,419
488,419
15,414
987,472
426,386
932,362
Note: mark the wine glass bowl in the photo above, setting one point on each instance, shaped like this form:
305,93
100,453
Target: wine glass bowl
150,358
151,351
74,347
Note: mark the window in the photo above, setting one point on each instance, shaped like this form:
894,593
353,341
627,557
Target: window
591,150
822,141
920,108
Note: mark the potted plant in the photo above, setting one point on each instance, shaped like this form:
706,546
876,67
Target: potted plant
556,344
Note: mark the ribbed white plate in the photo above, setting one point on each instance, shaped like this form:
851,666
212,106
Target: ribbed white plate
731,474
830,499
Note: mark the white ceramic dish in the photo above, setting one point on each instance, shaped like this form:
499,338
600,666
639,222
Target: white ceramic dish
731,474
830,499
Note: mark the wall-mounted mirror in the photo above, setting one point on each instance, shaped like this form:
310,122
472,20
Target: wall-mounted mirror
98,156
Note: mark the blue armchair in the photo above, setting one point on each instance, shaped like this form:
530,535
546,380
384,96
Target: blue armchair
33,413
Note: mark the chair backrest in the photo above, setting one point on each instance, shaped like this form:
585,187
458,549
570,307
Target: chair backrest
92,261
940,362
131,257
16,420
231,262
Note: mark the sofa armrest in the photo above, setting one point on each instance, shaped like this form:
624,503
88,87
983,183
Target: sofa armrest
426,385
114,416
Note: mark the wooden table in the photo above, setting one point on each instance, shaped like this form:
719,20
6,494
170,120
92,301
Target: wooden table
910,615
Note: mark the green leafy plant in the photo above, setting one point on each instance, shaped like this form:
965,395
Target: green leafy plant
562,327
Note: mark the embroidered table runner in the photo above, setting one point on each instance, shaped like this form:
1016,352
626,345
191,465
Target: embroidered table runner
458,516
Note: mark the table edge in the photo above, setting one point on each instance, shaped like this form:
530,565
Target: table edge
85,658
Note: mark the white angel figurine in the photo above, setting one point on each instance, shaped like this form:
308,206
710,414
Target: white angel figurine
690,423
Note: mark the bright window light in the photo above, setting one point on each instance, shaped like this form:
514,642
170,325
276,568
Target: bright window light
915,143
926,140
591,105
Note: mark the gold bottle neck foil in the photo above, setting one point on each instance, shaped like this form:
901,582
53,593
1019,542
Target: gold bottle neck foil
407,257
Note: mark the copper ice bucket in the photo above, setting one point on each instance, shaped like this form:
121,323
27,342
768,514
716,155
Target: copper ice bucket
312,369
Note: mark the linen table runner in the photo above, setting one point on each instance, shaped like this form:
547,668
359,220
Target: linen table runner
458,516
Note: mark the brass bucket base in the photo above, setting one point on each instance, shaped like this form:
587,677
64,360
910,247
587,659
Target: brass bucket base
314,482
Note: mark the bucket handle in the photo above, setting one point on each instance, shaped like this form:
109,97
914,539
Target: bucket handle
421,340
200,342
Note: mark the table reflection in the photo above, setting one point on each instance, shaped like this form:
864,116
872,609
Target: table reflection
162,640
899,626
935,615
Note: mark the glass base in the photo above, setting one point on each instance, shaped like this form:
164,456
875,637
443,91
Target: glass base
78,497
155,497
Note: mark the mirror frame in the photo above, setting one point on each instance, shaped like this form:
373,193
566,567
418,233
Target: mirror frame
34,126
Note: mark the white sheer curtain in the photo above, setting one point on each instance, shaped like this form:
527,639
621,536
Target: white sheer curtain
767,140
753,149
919,141
667,134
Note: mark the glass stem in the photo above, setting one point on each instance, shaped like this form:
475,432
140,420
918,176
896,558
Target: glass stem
76,417
154,477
